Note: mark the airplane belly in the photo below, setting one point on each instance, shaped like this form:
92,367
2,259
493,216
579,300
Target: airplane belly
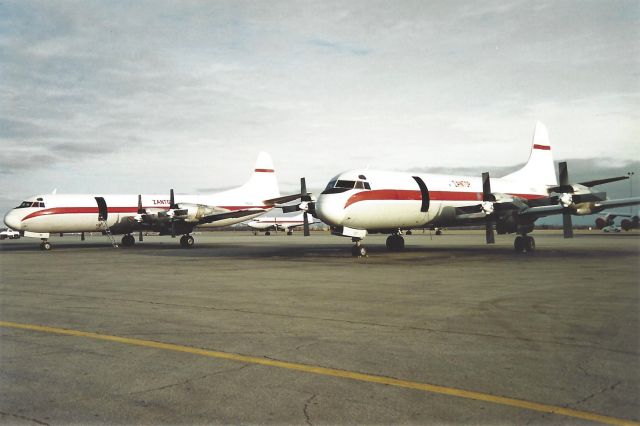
385,215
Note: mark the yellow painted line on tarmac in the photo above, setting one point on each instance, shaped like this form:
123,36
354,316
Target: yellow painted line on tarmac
345,374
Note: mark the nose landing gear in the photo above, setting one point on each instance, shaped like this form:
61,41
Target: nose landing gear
358,250
45,245
524,244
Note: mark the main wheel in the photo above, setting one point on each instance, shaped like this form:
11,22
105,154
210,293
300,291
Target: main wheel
519,244
409,232
529,244
289,232
128,241
187,241
267,233
395,242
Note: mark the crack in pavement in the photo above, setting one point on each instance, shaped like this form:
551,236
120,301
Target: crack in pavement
17,416
305,409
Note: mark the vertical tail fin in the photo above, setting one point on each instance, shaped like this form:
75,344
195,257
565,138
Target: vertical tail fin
263,183
539,169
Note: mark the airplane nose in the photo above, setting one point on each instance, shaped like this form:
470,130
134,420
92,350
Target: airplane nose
330,210
12,220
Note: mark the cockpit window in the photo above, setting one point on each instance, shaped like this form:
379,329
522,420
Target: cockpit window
367,186
26,204
345,184
331,184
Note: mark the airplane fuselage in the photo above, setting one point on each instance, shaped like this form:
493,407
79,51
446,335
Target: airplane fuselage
397,200
53,213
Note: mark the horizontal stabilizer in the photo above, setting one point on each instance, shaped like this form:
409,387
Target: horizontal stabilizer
281,200
603,181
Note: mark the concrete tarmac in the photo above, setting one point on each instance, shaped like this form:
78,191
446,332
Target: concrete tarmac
450,331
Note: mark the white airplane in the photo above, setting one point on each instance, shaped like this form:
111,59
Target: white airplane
359,202
40,215
285,223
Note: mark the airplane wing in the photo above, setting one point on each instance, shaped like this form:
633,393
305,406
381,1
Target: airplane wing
228,215
595,207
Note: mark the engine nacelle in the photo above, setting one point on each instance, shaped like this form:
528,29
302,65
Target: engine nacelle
629,224
193,212
601,222
585,208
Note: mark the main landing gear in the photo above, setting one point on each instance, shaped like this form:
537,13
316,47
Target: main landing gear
395,242
524,244
128,240
187,241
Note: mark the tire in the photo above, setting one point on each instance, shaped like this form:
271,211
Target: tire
128,241
46,246
187,241
395,242
409,232
438,232
529,244
267,233
358,251
519,244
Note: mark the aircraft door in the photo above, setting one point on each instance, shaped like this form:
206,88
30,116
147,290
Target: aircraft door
425,194
102,208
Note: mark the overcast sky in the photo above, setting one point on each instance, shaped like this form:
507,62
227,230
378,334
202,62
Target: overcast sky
143,96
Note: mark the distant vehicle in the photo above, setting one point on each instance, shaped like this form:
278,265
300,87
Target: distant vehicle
9,233
285,223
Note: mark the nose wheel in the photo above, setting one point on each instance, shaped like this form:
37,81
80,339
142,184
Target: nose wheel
524,244
45,245
358,250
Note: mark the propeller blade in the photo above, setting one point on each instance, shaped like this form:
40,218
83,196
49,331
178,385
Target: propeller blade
488,196
489,235
486,188
567,225
140,236
306,225
140,209
173,228
172,201
564,173
303,190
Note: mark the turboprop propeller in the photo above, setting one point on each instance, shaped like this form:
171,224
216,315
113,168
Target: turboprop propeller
306,205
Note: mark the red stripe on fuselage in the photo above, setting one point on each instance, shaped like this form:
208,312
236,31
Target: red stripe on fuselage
132,210
264,171
410,195
542,147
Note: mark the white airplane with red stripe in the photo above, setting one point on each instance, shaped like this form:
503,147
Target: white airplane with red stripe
41,215
359,202
285,223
